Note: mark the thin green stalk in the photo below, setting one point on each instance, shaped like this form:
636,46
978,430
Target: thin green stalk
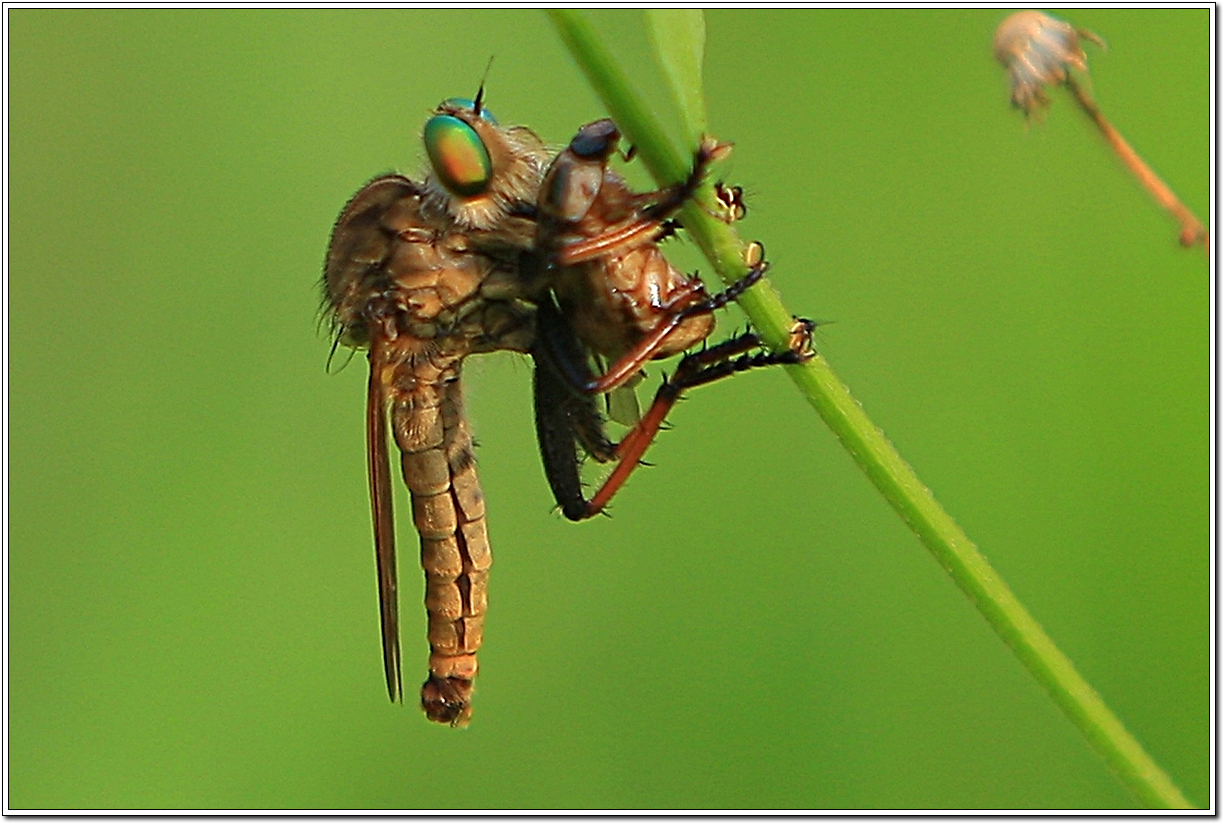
678,36
892,476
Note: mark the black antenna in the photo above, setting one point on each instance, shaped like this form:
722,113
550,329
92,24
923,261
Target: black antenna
480,92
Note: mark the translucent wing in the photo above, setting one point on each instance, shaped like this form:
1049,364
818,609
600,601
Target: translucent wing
382,506
623,404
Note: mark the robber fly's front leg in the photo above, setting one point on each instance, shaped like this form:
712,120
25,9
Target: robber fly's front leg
655,209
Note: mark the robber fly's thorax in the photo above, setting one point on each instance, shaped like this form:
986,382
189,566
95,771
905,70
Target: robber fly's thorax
419,282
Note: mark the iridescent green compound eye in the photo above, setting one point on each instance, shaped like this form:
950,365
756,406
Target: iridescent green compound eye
458,156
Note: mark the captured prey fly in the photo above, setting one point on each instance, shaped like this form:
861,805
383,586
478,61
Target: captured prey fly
423,274
615,299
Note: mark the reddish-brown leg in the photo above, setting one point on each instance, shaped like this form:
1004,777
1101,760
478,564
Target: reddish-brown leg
686,306
706,366
656,207
618,239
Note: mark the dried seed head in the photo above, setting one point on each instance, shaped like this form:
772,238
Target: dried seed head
1037,49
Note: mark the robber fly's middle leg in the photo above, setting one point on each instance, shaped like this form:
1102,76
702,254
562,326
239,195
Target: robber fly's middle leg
690,303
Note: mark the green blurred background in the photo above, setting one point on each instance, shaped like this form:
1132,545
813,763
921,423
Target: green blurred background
192,604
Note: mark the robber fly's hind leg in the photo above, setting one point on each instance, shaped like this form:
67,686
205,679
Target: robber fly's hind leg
696,369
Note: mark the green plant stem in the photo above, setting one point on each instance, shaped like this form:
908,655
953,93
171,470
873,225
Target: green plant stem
678,36
892,476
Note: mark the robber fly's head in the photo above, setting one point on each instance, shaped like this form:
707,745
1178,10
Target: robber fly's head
481,170
455,140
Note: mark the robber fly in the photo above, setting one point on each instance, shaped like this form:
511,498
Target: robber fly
488,253
613,294
423,275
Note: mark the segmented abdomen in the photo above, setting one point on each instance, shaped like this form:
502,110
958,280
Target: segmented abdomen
449,512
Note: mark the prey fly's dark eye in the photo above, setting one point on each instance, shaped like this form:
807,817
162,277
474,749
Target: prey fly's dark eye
458,156
595,140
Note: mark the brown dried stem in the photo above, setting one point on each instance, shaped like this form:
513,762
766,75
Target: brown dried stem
1192,230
